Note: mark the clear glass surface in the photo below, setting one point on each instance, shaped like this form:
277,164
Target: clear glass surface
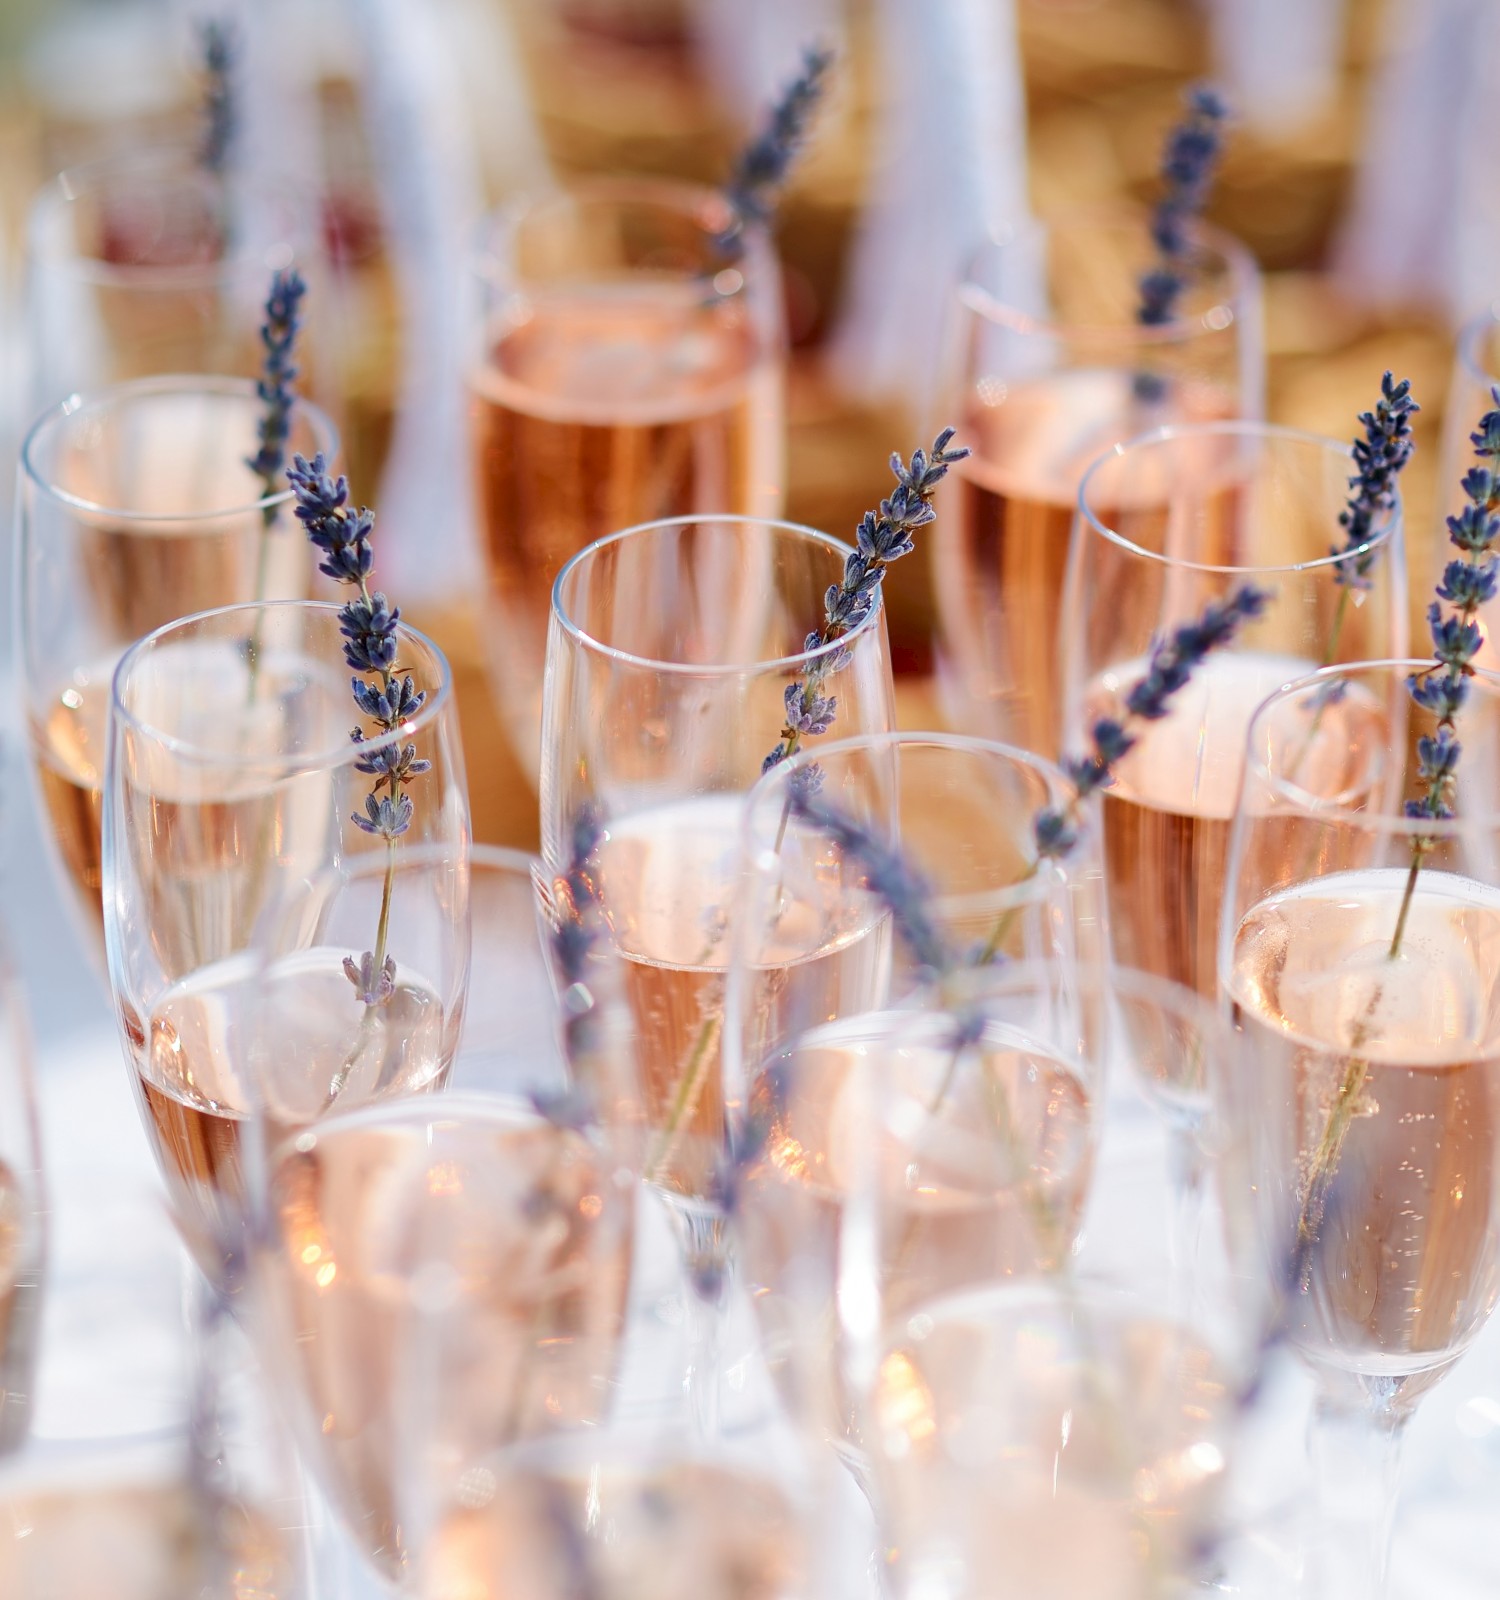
1366,1188
237,886
23,1216
135,506
1166,524
1048,367
670,654
1067,1433
144,263
622,371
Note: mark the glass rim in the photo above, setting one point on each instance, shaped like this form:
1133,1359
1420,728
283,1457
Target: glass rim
72,184
709,669
1234,427
694,201
301,763
457,1105
1469,337
1237,256
1321,810
219,384
1095,975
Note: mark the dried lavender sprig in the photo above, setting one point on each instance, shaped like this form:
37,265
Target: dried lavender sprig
1468,582
368,624
278,337
1378,459
1173,661
220,50
899,887
754,188
882,537
1189,159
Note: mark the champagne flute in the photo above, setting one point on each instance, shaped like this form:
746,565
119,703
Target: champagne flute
911,1150
672,649
1069,1436
146,263
135,506
248,916
1050,368
625,370
442,1278
1166,524
1366,1188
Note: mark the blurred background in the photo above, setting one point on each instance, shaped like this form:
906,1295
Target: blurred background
1354,172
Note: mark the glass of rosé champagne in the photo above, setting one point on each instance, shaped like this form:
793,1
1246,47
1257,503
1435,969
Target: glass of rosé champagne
672,649
1367,1187
145,263
1167,524
960,811
1049,368
135,506
624,370
441,1278
240,894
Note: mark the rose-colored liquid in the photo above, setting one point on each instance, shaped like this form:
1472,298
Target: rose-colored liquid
444,1285
1168,816
1002,537
1374,1113
668,878
603,408
234,1041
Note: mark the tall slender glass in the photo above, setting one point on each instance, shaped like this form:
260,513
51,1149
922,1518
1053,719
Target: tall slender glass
671,652
1166,524
1049,368
242,900
443,1277
145,263
623,370
909,1150
136,506
1358,949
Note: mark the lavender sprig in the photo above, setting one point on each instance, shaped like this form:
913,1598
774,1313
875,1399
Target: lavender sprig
882,537
368,623
754,188
894,882
1188,162
278,337
1378,459
1469,582
218,43
1172,663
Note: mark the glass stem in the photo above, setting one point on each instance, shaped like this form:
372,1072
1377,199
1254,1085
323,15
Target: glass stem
1356,1455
